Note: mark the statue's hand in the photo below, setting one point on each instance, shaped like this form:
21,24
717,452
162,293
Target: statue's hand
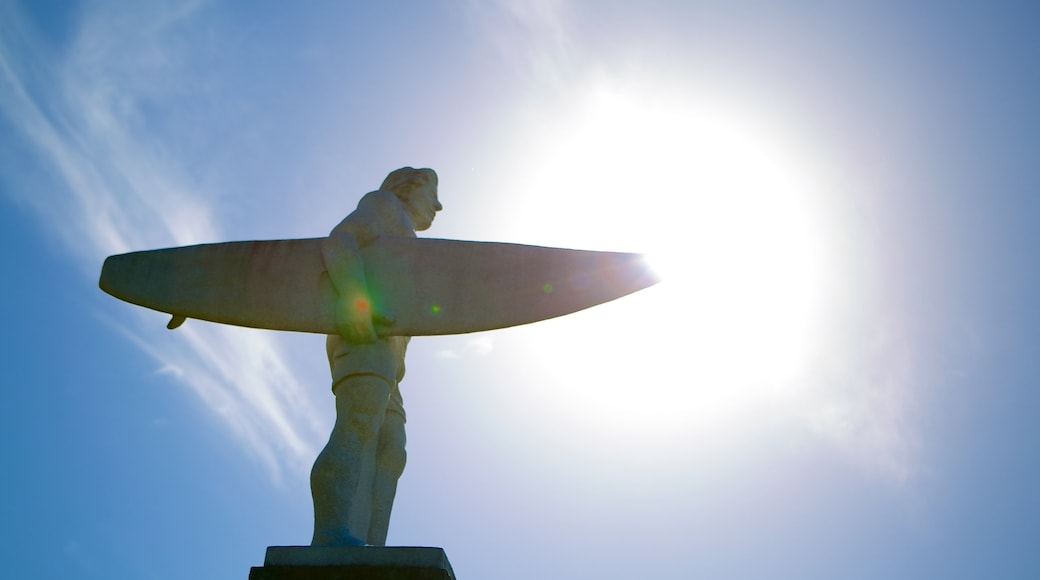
354,319
382,318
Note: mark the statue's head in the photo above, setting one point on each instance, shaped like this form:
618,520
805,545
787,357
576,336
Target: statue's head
417,190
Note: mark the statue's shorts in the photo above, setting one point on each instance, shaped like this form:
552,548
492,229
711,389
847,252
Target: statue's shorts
383,358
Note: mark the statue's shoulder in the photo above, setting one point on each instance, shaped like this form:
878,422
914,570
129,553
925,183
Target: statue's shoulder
381,213
381,201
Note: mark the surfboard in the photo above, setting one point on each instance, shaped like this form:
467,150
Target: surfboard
429,286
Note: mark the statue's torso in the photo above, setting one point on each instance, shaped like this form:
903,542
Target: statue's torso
379,214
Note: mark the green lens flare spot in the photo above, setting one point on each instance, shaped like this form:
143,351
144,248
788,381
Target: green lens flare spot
435,309
547,288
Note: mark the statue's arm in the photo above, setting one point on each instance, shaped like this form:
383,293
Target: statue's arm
342,255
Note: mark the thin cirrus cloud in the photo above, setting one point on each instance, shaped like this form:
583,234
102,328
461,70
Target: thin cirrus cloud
110,189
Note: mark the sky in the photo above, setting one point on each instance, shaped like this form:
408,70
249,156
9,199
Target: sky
837,378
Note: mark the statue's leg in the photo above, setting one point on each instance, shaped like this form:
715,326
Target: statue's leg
390,460
338,471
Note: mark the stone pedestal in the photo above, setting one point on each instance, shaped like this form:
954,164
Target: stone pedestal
360,563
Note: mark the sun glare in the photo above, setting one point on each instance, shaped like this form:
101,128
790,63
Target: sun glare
723,210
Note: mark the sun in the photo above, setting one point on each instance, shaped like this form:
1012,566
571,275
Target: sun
724,210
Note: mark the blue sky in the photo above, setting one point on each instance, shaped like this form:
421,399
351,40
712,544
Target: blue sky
837,379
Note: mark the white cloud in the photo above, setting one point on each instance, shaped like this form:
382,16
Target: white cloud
863,405
480,346
531,36
119,188
171,370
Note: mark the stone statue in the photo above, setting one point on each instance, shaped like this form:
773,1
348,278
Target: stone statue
370,285
354,479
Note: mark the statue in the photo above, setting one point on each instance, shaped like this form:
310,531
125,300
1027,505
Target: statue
370,285
354,479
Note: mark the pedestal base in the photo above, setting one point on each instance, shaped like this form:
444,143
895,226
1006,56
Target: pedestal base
353,563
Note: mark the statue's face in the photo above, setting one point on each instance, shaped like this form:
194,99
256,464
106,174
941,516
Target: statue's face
422,206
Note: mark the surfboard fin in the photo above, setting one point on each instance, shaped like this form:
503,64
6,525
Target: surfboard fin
176,321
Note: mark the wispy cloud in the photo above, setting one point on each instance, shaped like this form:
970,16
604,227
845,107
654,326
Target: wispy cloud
532,36
80,112
862,402
478,346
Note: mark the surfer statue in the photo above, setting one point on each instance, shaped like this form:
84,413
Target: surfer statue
354,479
369,286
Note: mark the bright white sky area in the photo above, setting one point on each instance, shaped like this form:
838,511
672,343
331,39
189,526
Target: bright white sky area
837,378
